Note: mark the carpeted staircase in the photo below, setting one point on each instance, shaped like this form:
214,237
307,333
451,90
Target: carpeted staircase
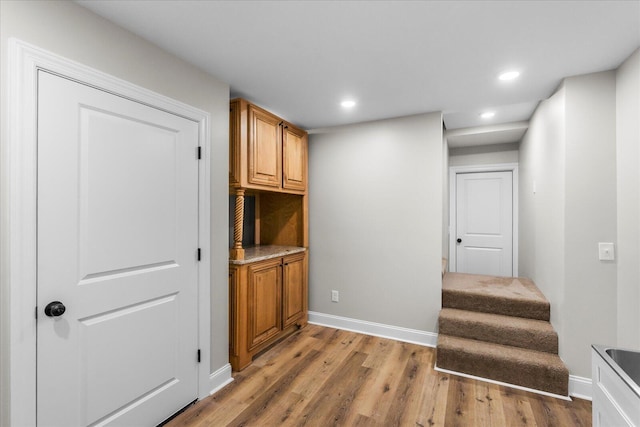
498,328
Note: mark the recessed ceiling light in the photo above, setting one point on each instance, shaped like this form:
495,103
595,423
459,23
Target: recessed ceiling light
487,114
348,103
509,75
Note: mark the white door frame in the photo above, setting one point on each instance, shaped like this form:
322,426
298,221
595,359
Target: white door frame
501,167
20,161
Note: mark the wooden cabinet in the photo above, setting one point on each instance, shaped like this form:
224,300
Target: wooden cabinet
268,301
265,151
267,292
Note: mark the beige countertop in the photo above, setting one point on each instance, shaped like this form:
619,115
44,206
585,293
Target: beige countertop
261,253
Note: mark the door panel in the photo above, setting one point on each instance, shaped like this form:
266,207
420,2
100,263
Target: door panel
117,235
128,186
484,223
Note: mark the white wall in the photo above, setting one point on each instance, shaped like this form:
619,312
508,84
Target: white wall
628,184
375,203
590,216
69,30
541,214
484,155
570,153
445,200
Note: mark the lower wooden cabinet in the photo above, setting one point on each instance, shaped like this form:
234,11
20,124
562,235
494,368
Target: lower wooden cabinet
268,300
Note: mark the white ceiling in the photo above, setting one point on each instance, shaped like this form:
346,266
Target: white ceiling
396,58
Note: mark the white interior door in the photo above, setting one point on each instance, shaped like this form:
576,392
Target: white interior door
484,223
117,243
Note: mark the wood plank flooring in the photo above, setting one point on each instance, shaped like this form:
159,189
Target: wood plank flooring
328,377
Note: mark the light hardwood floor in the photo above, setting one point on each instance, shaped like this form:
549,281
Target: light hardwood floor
328,377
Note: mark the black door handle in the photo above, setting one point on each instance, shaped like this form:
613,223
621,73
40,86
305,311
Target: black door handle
459,240
55,309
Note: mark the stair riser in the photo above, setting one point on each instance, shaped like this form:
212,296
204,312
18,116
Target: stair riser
489,304
530,339
508,371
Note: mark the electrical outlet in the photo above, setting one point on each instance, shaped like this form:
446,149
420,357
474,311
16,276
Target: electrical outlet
606,251
335,296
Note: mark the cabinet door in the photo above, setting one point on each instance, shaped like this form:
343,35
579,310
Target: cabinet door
294,289
265,296
294,153
265,148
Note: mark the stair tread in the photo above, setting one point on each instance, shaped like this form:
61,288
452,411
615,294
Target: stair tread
512,296
500,351
513,365
518,288
507,330
512,322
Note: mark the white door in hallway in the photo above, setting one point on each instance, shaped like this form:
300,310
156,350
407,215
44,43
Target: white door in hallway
117,247
484,223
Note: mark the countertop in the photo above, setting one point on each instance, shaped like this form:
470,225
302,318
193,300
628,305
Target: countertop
261,253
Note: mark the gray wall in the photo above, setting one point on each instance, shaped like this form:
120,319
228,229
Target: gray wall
375,203
69,30
628,182
570,153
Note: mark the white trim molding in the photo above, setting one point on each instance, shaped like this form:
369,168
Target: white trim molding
413,336
580,387
500,167
20,160
517,387
220,379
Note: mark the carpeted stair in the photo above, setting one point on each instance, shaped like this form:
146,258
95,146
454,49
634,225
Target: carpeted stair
498,328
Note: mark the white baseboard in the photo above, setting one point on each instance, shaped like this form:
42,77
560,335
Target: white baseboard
580,387
517,387
220,378
398,333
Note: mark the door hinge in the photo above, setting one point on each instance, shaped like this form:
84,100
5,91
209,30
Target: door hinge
198,355
199,252
199,152
36,312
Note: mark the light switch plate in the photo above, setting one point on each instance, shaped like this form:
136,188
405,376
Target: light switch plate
606,251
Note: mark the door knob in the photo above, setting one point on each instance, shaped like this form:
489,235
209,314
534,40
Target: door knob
459,240
55,309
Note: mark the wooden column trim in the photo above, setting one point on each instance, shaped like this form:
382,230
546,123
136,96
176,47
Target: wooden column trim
237,252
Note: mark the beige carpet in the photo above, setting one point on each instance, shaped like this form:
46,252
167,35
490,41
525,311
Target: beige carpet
498,328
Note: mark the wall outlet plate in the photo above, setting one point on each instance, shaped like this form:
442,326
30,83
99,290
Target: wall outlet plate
606,251
335,296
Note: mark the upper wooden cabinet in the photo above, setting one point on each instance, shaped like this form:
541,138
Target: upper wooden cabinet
265,152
